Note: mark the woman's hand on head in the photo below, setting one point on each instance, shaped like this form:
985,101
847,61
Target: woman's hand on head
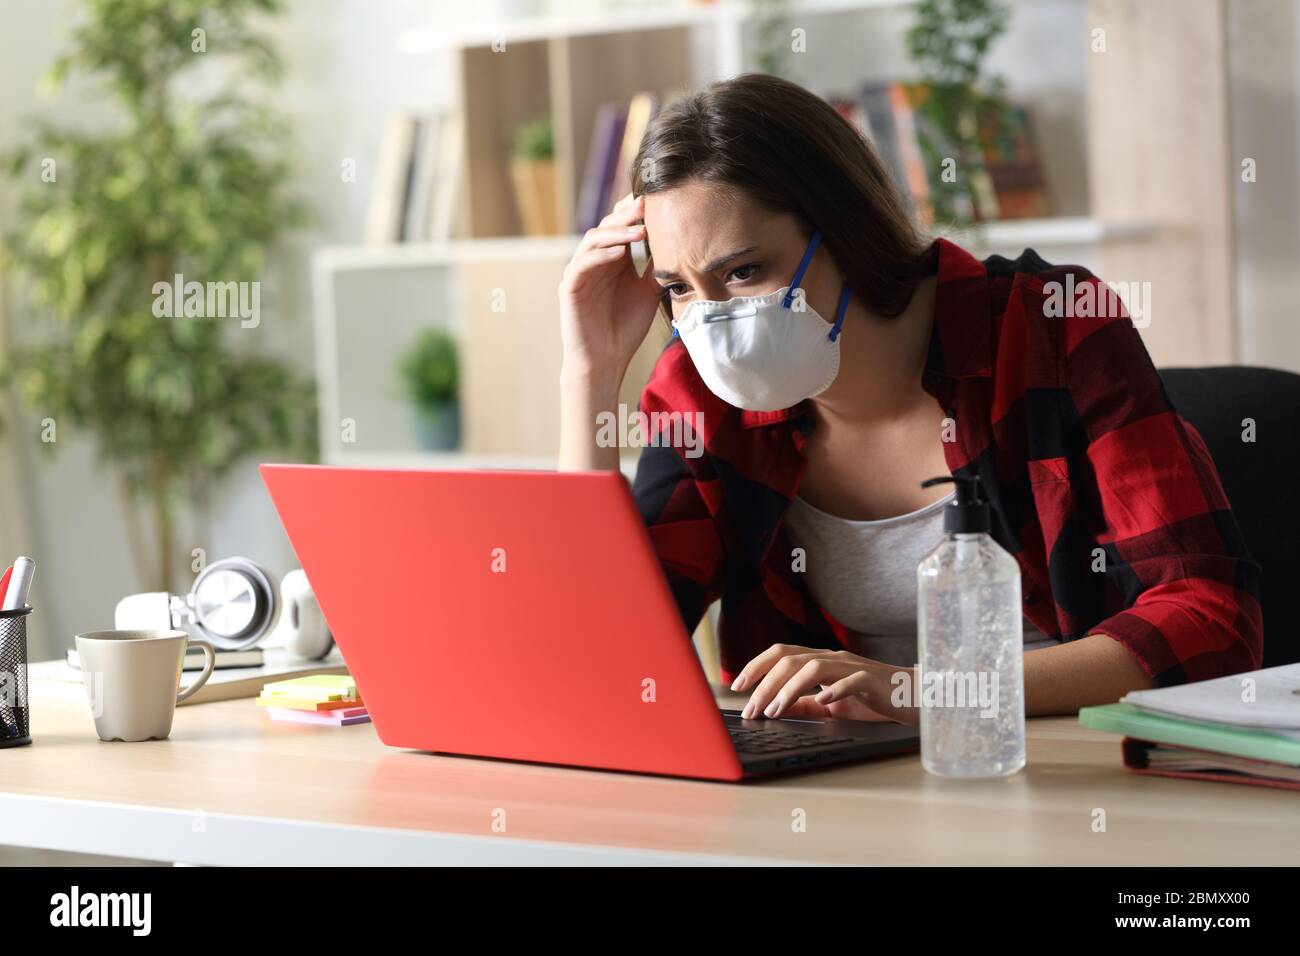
605,307
840,684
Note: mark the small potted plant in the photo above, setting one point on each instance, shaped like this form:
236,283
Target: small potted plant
430,373
532,168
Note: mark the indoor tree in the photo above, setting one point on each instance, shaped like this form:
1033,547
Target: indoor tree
178,182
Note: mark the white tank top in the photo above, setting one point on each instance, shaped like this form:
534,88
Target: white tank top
864,574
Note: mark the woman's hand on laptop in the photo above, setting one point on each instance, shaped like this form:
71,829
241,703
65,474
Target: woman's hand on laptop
842,685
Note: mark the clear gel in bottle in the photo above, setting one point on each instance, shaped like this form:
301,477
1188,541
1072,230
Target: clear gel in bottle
971,676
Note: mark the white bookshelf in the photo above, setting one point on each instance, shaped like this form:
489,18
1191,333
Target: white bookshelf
1094,116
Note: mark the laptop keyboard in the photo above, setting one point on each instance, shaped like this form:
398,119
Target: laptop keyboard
772,741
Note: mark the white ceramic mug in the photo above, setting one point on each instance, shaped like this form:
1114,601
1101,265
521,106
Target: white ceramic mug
133,678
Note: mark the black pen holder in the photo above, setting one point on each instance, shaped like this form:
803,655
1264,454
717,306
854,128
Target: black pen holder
15,727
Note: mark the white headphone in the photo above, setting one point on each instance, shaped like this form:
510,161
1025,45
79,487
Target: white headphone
233,603
302,626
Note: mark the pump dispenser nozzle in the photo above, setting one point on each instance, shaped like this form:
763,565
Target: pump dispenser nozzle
969,513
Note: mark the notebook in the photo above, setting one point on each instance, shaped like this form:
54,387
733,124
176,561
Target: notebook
1264,698
1168,746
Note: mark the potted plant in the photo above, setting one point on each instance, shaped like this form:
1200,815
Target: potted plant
430,376
532,167
949,42
177,182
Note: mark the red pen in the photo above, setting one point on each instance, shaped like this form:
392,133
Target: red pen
4,582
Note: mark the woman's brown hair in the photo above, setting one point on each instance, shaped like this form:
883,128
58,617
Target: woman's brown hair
790,151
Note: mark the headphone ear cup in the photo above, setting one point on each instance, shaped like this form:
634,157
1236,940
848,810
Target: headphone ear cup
235,603
306,634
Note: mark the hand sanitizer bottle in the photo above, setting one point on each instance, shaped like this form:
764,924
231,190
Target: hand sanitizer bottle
970,682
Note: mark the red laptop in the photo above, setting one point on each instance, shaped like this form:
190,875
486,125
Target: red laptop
524,616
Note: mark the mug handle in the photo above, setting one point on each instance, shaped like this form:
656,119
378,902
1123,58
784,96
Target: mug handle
210,653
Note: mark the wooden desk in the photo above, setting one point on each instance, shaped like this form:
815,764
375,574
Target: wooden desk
233,787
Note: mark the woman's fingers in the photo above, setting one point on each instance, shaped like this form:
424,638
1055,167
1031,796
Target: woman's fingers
753,672
785,672
808,708
772,681
850,708
582,264
611,236
626,211
871,690
813,674
855,683
854,707
853,686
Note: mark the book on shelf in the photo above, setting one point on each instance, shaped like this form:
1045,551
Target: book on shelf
1008,183
415,189
422,168
640,111
1012,163
879,112
917,182
444,201
616,136
602,163
388,189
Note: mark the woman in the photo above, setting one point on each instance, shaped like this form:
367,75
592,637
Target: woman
890,361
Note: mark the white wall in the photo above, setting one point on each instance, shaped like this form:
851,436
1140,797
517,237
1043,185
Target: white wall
1264,88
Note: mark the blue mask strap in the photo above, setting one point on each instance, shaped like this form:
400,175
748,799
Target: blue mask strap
840,308
813,242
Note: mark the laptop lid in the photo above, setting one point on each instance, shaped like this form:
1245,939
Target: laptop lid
521,615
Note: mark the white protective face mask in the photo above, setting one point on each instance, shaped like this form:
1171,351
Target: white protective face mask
768,352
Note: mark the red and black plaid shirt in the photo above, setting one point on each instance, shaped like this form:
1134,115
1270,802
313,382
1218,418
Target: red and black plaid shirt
1077,446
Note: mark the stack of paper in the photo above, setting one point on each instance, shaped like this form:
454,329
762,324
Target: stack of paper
320,699
1244,728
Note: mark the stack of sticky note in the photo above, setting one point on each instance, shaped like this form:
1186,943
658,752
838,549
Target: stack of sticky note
320,699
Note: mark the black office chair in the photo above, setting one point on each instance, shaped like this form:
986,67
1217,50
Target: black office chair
1258,476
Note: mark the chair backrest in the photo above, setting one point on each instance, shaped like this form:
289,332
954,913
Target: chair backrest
1258,475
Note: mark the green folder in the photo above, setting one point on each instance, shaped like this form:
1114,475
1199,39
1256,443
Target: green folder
1249,742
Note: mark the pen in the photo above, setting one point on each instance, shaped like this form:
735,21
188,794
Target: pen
20,585
4,584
